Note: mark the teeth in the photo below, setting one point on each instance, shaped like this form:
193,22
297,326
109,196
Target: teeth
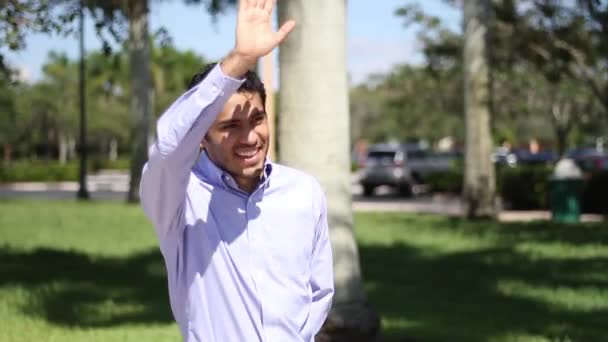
246,153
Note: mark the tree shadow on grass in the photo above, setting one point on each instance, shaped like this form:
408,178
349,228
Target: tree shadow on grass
536,231
74,289
491,292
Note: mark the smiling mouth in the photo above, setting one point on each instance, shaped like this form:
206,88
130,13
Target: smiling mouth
249,154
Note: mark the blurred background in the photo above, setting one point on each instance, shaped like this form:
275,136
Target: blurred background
471,141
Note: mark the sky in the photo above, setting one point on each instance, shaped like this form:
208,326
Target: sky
377,39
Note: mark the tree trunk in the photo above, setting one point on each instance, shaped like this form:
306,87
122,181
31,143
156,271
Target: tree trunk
83,192
7,152
63,148
113,149
71,147
141,91
314,137
479,178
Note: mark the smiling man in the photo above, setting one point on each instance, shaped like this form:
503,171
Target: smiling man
245,240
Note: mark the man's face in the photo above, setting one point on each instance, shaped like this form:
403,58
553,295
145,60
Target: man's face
238,139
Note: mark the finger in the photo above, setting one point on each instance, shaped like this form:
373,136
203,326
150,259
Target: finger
246,109
244,4
262,3
253,3
285,30
269,5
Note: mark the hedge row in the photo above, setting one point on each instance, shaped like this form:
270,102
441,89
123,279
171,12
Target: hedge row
40,171
526,187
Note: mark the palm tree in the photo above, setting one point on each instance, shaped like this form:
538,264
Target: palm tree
314,136
479,178
83,192
142,91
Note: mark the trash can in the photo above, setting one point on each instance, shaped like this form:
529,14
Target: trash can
565,188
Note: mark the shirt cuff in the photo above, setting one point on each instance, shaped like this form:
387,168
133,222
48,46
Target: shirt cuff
216,84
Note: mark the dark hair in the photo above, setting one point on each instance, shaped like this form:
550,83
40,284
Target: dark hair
252,83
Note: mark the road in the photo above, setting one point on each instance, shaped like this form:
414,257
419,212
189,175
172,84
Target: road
112,185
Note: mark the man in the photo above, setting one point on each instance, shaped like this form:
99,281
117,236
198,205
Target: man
245,240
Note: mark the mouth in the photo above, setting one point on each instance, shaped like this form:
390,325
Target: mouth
249,155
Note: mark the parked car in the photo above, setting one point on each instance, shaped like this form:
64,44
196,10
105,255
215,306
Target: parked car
401,166
541,157
590,159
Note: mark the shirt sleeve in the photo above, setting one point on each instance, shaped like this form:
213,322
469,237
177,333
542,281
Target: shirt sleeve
322,276
179,132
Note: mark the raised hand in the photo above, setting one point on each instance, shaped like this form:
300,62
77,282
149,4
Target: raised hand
255,36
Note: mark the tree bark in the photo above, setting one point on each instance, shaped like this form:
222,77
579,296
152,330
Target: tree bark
479,179
7,152
314,137
63,148
83,192
141,91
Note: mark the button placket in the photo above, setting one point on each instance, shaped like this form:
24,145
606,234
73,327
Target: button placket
254,255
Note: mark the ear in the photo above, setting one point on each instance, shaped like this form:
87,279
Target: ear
203,142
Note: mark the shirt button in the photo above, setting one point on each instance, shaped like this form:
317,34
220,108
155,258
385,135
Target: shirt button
214,88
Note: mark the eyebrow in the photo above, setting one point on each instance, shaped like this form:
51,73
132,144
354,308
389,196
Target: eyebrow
229,121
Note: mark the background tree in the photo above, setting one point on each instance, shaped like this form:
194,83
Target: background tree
18,17
479,178
313,136
409,103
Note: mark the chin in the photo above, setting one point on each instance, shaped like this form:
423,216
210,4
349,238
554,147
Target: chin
253,171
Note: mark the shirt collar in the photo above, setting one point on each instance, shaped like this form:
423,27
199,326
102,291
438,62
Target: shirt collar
218,177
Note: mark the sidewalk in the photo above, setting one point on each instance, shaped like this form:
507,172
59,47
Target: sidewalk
110,180
450,206
113,185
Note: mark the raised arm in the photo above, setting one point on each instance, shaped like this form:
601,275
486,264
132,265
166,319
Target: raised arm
183,126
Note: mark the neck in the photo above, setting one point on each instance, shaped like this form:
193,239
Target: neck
247,184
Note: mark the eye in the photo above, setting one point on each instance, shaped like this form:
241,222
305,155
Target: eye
229,126
259,118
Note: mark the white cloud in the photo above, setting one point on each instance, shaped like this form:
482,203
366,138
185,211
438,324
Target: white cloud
370,56
24,74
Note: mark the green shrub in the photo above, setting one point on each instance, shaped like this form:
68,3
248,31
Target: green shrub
595,193
450,181
97,164
52,171
524,187
38,171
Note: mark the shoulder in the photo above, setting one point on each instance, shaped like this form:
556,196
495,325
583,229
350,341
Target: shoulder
288,176
293,180
304,190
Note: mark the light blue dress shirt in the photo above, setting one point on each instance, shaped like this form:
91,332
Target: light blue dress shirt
240,267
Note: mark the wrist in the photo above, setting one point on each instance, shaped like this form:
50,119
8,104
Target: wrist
236,64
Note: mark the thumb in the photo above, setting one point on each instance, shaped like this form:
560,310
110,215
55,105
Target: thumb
285,30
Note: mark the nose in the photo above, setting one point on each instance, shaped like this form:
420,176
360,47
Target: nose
247,136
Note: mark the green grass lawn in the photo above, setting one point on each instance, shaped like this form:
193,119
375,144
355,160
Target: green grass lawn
92,272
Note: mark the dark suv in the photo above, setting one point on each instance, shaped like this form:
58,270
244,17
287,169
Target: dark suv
398,165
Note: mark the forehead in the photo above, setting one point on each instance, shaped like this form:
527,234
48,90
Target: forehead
233,109
254,99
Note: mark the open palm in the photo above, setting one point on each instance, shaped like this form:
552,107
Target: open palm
255,36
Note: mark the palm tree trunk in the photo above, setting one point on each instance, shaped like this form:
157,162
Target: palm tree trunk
83,192
314,136
141,91
7,152
479,179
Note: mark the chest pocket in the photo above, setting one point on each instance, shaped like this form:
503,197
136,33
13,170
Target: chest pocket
288,240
